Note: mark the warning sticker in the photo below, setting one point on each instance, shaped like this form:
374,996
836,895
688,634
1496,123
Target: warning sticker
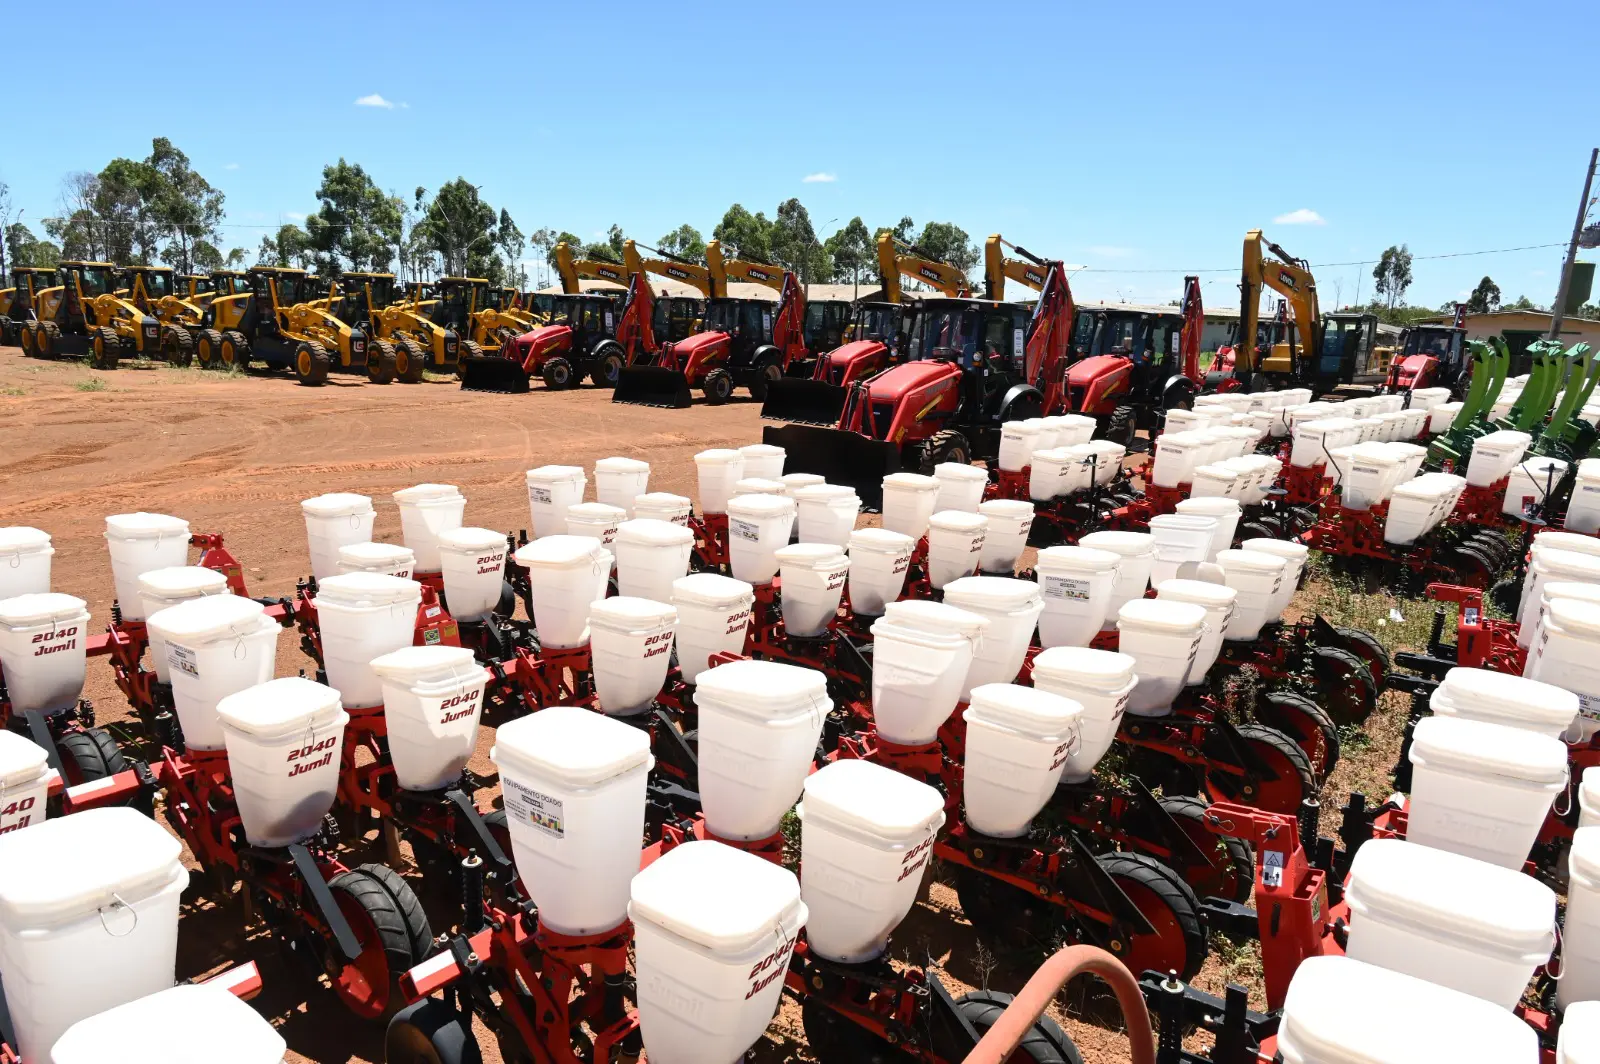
1272,868
1066,588
748,531
182,659
531,807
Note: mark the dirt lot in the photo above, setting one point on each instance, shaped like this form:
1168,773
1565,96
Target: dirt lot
236,454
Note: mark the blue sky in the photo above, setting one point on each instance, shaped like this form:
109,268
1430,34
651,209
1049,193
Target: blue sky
1138,139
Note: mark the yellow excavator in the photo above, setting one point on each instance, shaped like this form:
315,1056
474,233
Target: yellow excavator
1256,362
878,335
19,303
83,314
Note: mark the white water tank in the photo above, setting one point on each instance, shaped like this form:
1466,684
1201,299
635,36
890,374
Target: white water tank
630,641
1006,536
552,491
960,486
361,616
1501,698
597,520
908,501
813,577
161,588
1163,638
663,506
567,574
389,559
826,513
717,471
1257,577
1012,608
1136,551
763,460
215,646
1219,601
922,652
425,511
757,526
332,521
25,775
955,544
1019,739
619,481
1076,583
1102,682
713,617
473,563
879,559
651,554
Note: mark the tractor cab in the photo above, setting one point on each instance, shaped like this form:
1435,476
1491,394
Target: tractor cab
362,295
19,302
148,285
1349,343
672,318
1147,337
230,283
885,323
195,287
456,299
976,334
825,324
591,316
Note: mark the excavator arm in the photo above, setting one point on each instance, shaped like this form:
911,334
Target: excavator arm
947,279
1030,270
1290,278
690,273
571,269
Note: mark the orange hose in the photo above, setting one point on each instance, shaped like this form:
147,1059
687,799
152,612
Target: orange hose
1001,1040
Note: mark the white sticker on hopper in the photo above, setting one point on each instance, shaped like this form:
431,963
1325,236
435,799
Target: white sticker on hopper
1589,706
1066,587
745,530
182,659
532,807
539,496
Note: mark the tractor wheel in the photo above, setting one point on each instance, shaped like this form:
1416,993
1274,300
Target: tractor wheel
766,373
1365,645
1307,723
1258,529
234,352
431,1031
1045,1042
311,363
470,349
48,339
947,446
105,348
368,986
609,367
1121,426
8,333
380,362
1179,943
718,387
557,374
1291,781
177,346
208,349
1232,871
1345,681
1472,566
91,754
29,340
409,360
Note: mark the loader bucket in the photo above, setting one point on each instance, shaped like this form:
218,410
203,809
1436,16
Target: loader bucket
841,456
491,373
806,401
652,386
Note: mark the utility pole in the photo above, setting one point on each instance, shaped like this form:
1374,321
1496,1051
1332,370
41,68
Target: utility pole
1559,311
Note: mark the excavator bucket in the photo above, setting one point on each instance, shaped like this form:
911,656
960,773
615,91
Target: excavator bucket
652,386
491,373
841,456
806,401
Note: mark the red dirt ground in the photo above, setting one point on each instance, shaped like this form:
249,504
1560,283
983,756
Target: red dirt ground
236,455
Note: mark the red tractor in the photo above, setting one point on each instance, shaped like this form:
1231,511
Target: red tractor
587,338
1131,365
1432,355
973,365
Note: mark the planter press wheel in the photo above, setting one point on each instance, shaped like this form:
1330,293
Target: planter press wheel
1307,723
90,754
1232,871
1290,781
1364,645
1045,1042
387,928
1179,943
1344,681
430,1032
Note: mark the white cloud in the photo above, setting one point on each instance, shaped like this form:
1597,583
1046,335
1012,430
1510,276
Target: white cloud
1112,251
231,166
296,215
374,100
820,178
1303,216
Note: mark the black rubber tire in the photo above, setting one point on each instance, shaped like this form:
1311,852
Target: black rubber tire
208,349
1122,425
177,346
717,386
380,362
1364,645
1012,919
1345,682
311,364
234,352
430,1032
469,349
1045,1042
765,374
90,754
410,360
1148,881
1254,530
557,374
1288,793
1234,858
405,898
395,935
47,340
1506,595
608,367
105,348
1307,723
946,446
28,339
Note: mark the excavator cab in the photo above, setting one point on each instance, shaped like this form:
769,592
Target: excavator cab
148,285
1348,341
826,322
673,318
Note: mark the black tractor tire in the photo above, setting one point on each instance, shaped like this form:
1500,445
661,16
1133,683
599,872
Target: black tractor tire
409,360
1506,595
48,339
717,386
608,365
416,919
836,1039
1364,645
1170,906
1344,681
431,1031
1307,723
1045,1042
1122,425
234,352
8,333
1233,871
470,349
105,349
208,349
946,446
28,339
177,346
557,374
380,362
1295,782
91,754
386,930
311,363
768,371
